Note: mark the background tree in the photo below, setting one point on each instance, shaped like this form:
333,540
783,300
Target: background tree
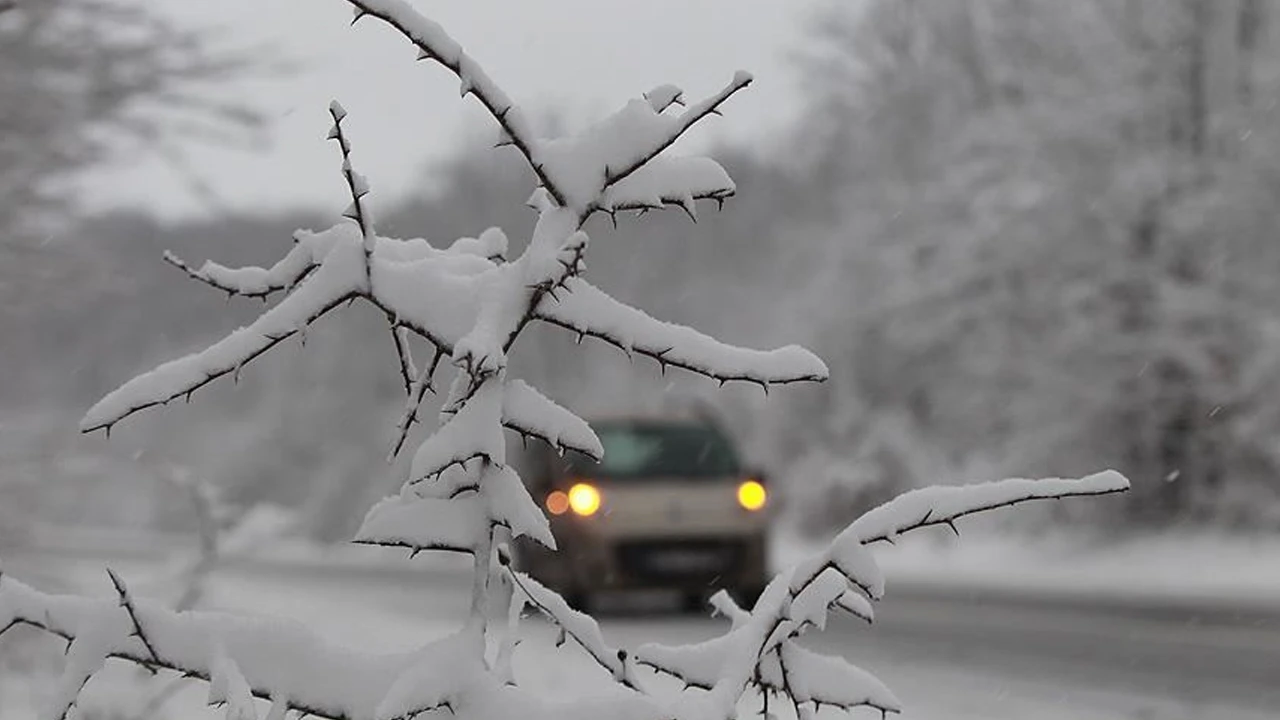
83,82
1050,208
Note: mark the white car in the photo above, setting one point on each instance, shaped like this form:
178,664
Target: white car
670,506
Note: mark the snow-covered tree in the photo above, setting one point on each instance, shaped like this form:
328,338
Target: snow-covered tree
1053,236
468,304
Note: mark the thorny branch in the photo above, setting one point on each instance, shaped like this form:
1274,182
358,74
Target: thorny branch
214,282
356,185
686,120
769,628
442,48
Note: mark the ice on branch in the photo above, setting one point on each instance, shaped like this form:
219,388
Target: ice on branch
586,310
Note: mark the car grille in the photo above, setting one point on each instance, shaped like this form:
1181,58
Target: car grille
680,560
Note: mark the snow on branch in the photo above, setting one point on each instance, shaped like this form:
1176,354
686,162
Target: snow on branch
578,625
810,677
663,181
471,304
419,524
433,293
340,278
474,431
434,43
253,282
408,368
272,658
357,185
944,505
587,310
530,413
553,256
610,151
511,506
843,576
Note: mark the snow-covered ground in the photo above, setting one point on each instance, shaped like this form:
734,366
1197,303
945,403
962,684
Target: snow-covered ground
1201,569
382,612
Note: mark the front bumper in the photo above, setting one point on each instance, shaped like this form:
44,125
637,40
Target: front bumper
585,563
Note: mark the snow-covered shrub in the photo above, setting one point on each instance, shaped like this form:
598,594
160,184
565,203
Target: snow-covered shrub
469,302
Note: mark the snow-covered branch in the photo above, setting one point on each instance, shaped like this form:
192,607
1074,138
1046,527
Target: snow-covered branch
944,505
471,304
253,282
580,626
272,657
589,311
434,43
800,598
408,368
357,185
532,414
340,278
610,152
616,172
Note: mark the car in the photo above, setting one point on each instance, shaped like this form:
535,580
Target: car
670,506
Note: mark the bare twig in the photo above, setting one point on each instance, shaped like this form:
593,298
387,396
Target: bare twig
418,389
408,369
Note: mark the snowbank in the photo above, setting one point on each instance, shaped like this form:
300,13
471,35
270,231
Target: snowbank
1185,569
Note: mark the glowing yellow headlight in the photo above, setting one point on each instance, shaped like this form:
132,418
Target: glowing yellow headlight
751,495
584,499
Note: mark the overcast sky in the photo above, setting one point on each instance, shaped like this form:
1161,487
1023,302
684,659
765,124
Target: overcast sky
585,57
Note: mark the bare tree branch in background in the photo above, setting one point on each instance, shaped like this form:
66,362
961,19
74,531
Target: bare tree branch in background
1057,217
84,80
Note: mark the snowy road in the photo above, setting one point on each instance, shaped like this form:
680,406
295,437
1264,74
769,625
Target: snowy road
946,657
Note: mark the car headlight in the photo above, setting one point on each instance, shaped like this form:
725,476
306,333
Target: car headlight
584,499
752,495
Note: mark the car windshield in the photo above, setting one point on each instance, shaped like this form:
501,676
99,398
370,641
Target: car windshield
643,450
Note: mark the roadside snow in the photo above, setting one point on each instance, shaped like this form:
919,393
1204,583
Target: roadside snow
1213,569
386,614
